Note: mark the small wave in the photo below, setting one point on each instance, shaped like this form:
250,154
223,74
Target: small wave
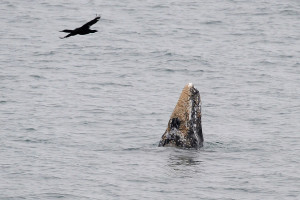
289,12
160,6
37,76
286,56
116,84
266,62
167,70
36,141
50,195
50,53
296,65
213,22
132,149
32,140
212,146
262,14
30,129
171,70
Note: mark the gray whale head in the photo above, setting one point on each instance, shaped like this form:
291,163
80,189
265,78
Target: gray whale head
184,127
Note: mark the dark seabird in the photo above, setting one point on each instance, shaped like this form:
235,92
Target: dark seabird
83,30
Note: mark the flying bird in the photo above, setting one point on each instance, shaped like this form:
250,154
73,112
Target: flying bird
83,30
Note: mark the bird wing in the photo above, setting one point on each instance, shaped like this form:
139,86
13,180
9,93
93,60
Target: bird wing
69,35
92,22
67,31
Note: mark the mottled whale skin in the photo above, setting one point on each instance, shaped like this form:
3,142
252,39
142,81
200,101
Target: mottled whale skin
184,127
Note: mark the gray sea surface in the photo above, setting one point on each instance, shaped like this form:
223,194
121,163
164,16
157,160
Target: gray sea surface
81,117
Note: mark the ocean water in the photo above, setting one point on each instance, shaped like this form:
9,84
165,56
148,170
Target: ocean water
81,118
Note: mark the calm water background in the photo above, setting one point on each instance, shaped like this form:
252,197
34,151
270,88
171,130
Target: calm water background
81,118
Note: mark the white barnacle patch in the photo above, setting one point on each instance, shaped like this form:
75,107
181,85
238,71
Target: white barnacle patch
190,107
191,85
175,137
